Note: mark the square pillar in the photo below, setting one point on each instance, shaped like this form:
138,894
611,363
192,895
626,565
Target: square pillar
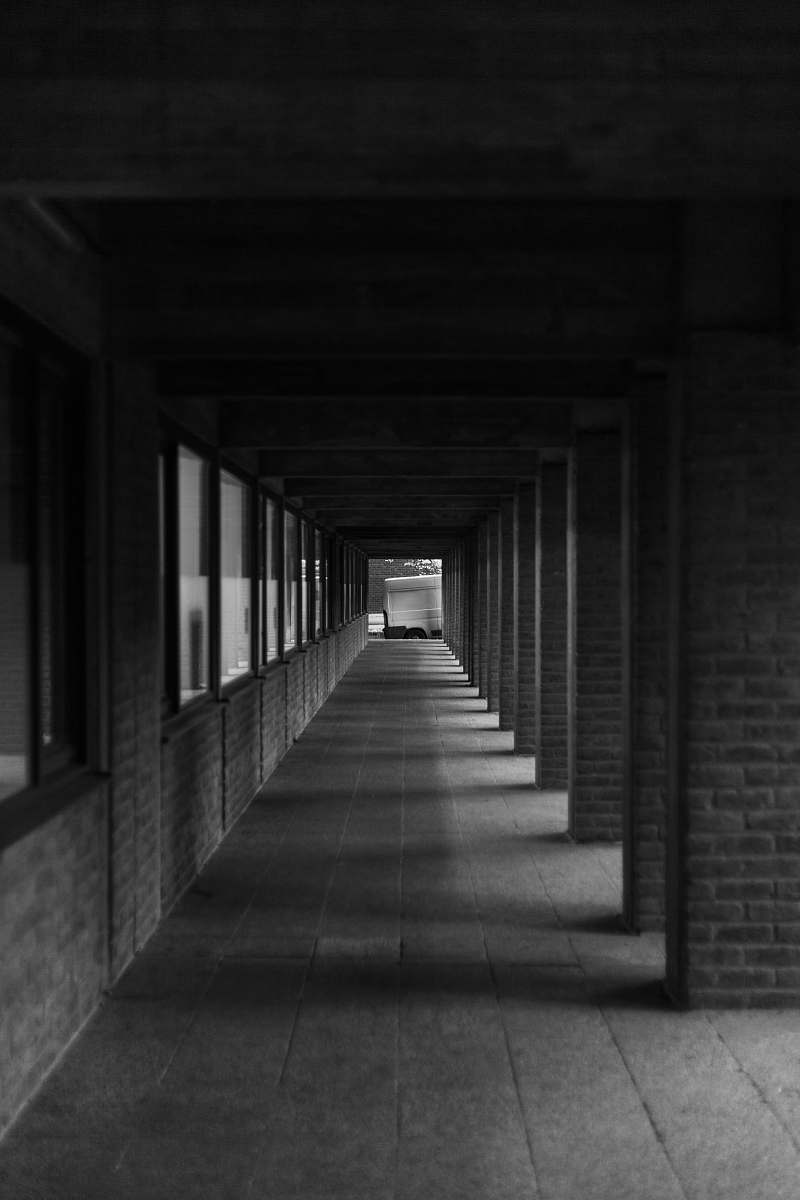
494,570
594,637
481,613
733,850
551,628
646,782
525,706
508,681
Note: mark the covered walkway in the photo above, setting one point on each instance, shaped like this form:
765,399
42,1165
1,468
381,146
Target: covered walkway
398,978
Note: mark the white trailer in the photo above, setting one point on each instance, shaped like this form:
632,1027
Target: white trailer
412,606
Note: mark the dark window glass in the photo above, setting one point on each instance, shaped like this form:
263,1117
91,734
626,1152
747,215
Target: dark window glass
235,578
60,558
290,580
272,547
319,617
193,598
15,586
304,582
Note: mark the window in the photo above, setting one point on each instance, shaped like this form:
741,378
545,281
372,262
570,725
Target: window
290,580
235,577
319,617
15,586
305,615
42,594
60,526
272,550
193,559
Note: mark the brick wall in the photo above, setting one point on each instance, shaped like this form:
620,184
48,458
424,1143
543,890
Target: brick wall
648,802
525,709
53,921
551,692
191,798
295,705
273,719
739,899
241,757
135,719
595,784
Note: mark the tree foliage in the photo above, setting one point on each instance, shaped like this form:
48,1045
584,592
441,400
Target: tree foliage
423,566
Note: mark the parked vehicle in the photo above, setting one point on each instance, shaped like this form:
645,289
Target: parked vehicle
412,607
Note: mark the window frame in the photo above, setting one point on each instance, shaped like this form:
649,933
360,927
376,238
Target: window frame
172,437
291,510
266,497
56,444
250,507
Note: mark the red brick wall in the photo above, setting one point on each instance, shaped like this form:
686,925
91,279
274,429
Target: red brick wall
739,896
595,802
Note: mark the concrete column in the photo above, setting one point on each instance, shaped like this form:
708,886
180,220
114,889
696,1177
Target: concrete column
594,638
508,685
525,705
494,572
551,628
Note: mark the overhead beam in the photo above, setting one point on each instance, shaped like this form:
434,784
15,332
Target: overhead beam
407,376
334,487
415,504
423,518
346,100
517,464
386,423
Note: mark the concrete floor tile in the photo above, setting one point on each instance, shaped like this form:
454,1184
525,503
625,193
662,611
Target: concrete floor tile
399,979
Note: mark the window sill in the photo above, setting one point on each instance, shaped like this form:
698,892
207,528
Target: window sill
236,685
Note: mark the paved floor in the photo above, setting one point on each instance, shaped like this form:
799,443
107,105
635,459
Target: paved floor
397,979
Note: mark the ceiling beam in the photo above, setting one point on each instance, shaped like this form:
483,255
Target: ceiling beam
423,519
371,377
335,488
515,464
388,423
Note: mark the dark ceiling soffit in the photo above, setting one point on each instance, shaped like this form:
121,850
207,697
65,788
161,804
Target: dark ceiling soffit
410,376
339,490
418,462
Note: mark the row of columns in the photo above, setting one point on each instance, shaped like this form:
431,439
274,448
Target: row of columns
633,614
534,609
